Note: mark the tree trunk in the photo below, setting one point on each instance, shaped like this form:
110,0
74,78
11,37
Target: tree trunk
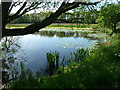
0,21
114,29
5,8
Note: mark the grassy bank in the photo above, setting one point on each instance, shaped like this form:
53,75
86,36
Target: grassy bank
17,25
81,26
54,25
91,27
101,69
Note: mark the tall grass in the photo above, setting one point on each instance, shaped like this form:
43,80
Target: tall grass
79,54
16,25
53,61
77,26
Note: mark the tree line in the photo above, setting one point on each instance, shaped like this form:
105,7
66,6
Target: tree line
75,16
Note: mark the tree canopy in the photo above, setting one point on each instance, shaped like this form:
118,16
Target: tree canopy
109,16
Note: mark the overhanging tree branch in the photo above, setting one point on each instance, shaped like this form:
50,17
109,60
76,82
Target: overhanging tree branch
65,6
18,12
24,10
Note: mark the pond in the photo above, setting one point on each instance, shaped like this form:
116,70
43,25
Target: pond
31,49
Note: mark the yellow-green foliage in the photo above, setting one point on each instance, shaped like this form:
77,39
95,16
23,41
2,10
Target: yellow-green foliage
109,15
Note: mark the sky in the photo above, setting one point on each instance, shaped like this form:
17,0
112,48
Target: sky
16,8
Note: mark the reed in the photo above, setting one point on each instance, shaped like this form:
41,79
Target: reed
53,61
79,55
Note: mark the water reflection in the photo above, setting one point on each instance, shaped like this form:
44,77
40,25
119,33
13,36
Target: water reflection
57,34
10,47
76,34
32,48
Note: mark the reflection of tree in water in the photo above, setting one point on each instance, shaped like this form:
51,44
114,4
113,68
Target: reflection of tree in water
10,47
61,34
47,33
65,34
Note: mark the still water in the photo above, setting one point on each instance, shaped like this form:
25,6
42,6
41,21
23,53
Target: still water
31,49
